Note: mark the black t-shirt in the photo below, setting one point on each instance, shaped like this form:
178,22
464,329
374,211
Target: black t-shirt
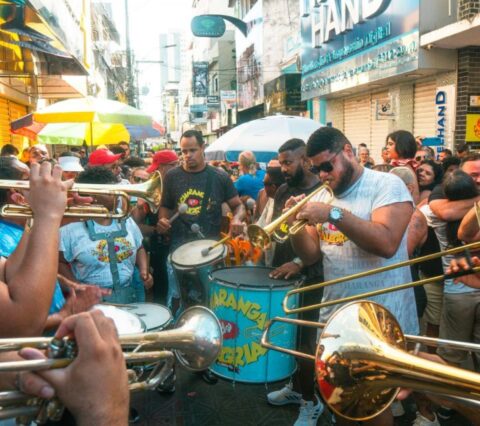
189,188
437,193
284,252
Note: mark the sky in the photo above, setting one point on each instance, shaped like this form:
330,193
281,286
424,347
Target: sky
147,20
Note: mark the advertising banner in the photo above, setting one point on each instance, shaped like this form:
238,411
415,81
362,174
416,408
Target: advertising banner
200,79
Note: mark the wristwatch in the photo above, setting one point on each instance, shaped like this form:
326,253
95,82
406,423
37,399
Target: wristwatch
335,215
298,261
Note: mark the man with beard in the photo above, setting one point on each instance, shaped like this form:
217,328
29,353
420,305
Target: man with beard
362,228
299,180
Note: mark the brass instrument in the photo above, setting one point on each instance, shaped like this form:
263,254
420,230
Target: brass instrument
455,250
262,237
150,191
195,343
361,362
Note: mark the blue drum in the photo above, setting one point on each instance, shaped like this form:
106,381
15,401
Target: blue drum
244,298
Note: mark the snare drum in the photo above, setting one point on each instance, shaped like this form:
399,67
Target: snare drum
193,269
155,317
244,298
125,322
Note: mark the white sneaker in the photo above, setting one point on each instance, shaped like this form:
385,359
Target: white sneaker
309,413
397,409
284,396
423,421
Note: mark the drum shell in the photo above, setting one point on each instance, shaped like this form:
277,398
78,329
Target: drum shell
243,311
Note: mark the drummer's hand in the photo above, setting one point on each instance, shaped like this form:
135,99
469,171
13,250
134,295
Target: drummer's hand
236,227
163,226
147,279
314,212
458,265
286,271
86,297
98,370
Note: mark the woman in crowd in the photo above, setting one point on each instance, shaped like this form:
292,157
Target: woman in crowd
401,147
429,175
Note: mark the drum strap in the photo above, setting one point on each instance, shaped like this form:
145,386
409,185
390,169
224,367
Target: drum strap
110,238
206,195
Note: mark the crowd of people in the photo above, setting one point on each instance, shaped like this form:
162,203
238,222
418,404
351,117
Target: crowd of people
410,205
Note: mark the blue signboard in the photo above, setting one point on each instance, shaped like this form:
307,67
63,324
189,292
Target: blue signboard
350,42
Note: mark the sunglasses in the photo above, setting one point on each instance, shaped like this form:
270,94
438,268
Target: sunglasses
420,157
325,166
139,179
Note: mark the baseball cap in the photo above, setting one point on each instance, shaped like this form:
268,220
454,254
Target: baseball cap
164,156
101,157
70,164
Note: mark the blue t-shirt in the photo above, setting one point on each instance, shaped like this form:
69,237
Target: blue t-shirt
89,259
249,184
11,234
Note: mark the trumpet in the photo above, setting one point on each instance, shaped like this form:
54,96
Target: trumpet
262,237
195,343
361,362
150,191
455,250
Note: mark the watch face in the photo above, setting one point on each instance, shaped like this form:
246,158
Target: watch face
335,214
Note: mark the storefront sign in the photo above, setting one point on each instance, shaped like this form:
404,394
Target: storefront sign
213,101
473,128
283,95
445,114
382,41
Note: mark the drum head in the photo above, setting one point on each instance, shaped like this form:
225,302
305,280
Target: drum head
251,276
155,317
190,254
125,322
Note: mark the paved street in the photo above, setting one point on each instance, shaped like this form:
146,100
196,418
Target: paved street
196,403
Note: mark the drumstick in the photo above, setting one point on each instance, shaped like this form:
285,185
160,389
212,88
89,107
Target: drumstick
207,250
195,228
182,208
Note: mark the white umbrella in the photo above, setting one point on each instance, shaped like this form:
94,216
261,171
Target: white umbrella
262,136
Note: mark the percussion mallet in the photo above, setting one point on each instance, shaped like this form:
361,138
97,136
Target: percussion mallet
182,208
207,250
195,228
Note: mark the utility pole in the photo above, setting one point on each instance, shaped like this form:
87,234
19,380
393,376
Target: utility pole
130,92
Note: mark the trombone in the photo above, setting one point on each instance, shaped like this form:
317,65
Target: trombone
455,250
262,237
195,343
361,362
150,191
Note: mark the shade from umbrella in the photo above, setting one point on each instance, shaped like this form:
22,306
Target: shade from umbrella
90,110
262,136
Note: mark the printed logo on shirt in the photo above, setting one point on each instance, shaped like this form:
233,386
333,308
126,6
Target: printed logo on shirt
193,199
331,235
123,250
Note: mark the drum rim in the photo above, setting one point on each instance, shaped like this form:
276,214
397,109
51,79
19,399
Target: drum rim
220,256
145,329
281,282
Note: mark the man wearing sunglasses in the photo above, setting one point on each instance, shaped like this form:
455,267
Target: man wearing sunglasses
362,228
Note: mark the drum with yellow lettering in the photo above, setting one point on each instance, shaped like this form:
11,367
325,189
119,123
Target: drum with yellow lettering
244,298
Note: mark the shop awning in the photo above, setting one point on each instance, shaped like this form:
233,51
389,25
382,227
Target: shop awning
454,36
32,34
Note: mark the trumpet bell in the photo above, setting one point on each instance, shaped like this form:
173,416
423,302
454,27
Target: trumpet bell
201,338
258,237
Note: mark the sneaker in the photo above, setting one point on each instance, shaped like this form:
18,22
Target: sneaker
284,396
423,421
445,413
397,409
309,413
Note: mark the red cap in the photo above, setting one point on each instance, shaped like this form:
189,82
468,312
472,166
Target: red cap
101,157
164,156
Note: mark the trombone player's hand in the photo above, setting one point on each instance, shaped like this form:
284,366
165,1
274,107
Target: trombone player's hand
462,264
98,371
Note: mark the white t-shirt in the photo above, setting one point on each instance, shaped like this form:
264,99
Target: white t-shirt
89,259
342,257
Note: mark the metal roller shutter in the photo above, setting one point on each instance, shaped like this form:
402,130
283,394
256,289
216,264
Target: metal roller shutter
378,129
424,109
357,120
4,122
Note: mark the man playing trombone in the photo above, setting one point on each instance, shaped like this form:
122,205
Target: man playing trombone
363,228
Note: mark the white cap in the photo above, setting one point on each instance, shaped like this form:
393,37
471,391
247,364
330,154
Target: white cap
70,164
